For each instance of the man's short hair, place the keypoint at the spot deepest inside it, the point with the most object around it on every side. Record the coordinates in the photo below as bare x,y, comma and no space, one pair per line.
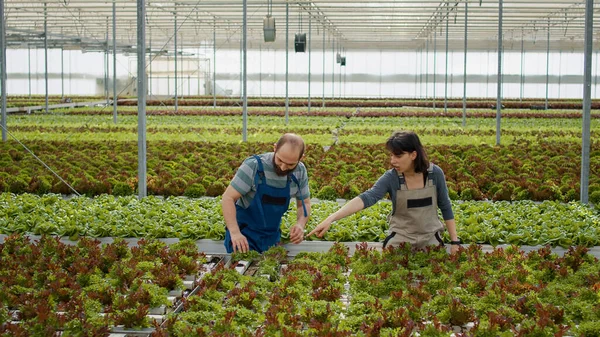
294,140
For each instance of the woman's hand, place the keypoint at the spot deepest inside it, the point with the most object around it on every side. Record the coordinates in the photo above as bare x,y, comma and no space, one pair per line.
321,228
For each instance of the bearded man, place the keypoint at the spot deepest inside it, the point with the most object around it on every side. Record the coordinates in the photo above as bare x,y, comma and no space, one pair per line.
259,194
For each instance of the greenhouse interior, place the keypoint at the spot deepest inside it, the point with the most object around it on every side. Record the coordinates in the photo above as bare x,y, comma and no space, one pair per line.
300,168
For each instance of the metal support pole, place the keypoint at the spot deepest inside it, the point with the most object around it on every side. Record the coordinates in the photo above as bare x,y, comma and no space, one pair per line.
559,71
421,73
309,53
380,62
416,71
3,76
333,71
487,78
181,77
106,66
427,68
28,66
62,72
464,121
214,64
70,73
205,74
499,93
521,91
150,60
446,76
175,72
596,76
141,93
287,59
547,65
114,33
46,53
244,72
260,70
434,64
587,102
324,35
241,69
340,78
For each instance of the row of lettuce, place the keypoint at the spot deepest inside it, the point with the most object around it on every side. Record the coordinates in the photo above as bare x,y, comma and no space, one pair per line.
48,288
524,170
87,289
334,112
521,223
398,292
20,101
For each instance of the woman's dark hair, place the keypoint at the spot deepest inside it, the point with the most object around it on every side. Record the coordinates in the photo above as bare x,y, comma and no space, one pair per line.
408,141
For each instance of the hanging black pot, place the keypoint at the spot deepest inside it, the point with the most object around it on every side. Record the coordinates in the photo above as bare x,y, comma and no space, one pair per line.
300,42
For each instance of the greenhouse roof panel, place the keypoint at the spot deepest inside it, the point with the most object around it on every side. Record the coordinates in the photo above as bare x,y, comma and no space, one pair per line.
402,24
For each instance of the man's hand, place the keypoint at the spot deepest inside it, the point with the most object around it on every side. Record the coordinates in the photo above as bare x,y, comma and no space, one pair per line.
454,249
297,234
239,242
321,229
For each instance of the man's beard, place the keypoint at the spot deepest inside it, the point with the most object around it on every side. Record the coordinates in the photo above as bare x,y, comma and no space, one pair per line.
279,171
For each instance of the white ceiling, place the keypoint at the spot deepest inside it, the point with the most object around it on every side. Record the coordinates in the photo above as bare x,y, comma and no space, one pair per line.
400,25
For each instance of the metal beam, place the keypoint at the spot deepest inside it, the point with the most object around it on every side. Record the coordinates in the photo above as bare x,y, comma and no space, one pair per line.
587,102
464,120
287,60
46,53
141,93
244,72
499,91
3,69
114,32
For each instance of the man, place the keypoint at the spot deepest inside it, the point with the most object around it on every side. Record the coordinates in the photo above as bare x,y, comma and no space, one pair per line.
259,194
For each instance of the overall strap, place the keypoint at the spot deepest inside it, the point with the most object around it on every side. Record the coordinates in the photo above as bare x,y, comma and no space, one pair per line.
261,169
260,172
298,184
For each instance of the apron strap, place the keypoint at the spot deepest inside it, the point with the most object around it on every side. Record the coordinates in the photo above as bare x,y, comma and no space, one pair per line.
428,176
303,205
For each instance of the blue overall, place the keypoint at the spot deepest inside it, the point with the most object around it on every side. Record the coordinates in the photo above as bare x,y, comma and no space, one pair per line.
260,222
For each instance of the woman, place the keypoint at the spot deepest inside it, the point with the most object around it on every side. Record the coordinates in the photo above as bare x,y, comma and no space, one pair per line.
417,188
